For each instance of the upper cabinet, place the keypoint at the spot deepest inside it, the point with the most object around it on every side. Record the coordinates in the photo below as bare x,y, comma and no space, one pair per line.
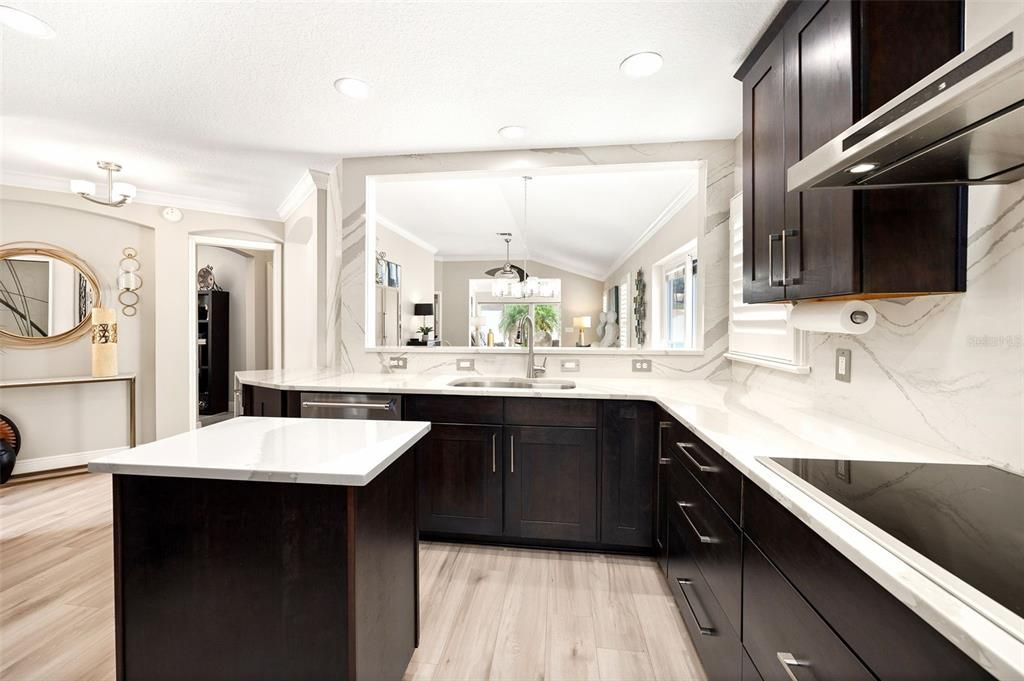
820,67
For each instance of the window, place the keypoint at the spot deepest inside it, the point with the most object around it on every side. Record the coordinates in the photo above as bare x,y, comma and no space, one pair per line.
680,301
759,333
501,315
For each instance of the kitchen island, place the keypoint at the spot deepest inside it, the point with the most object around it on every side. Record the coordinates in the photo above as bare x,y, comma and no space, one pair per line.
267,548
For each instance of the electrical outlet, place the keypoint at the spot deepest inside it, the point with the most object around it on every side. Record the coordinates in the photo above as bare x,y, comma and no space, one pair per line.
642,365
843,364
570,366
398,363
465,364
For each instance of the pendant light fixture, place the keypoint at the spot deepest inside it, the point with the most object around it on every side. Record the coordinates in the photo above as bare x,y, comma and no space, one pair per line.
123,191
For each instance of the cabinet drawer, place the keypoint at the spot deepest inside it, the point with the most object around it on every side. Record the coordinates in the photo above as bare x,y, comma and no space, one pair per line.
891,639
714,638
715,543
444,409
711,469
785,637
546,411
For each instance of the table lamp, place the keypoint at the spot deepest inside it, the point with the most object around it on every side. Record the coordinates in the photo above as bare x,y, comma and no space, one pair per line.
581,323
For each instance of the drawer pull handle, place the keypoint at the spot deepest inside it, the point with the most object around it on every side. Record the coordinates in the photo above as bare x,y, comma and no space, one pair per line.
512,447
703,468
704,631
371,406
494,452
664,460
704,539
789,662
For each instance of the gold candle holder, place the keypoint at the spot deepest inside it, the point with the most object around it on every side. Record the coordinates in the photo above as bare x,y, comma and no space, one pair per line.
104,342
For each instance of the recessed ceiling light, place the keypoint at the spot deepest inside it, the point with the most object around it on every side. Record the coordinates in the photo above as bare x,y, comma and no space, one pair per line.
512,132
863,168
641,64
25,23
352,87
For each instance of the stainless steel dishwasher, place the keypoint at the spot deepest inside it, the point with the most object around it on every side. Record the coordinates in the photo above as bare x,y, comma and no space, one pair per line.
350,406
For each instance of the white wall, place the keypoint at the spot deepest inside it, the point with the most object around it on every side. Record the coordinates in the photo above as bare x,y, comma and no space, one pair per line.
66,419
417,276
300,271
86,228
945,370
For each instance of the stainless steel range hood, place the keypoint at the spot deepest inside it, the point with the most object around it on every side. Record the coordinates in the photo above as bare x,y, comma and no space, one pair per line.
962,124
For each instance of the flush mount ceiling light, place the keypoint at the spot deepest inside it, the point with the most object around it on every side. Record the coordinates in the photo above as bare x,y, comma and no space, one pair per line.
171,214
352,87
123,191
641,64
23,22
863,168
512,132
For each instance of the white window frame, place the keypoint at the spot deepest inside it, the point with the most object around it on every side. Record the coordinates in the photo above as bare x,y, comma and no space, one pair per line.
682,257
759,333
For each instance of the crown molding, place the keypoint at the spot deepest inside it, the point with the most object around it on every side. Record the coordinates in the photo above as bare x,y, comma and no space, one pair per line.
406,234
673,207
310,181
144,196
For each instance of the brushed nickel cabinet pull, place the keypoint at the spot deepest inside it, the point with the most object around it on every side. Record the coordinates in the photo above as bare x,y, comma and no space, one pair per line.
704,631
789,663
494,452
704,539
372,406
772,281
703,468
512,443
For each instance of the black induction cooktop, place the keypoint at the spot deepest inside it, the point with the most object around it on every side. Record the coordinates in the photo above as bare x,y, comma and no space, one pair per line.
968,519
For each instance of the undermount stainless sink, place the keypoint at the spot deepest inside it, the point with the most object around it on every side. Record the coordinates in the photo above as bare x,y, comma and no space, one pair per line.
520,383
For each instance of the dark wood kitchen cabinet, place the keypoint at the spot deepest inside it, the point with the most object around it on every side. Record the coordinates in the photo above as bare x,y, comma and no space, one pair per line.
460,480
823,65
628,468
551,483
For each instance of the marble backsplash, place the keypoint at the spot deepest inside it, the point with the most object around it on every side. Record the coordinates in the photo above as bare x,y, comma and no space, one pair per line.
947,371
346,243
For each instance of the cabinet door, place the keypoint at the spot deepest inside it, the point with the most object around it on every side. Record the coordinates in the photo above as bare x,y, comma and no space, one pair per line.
459,469
764,177
820,248
628,462
551,483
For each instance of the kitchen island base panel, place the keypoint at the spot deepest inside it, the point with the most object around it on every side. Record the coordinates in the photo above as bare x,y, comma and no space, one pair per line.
264,580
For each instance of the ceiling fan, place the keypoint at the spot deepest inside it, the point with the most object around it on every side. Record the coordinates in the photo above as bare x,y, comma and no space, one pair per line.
508,270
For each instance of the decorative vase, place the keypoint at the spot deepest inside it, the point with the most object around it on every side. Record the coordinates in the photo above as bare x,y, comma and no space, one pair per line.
104,342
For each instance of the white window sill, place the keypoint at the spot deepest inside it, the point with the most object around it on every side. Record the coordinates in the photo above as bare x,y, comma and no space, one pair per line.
769,363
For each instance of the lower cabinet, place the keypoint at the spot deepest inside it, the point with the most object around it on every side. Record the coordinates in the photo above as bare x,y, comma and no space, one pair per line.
628,472
551,483
460,480
716,641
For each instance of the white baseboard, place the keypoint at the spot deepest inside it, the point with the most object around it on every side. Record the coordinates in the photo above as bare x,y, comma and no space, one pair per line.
49,463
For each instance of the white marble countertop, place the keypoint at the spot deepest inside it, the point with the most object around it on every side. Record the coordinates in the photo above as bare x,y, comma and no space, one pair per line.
741,430
317,451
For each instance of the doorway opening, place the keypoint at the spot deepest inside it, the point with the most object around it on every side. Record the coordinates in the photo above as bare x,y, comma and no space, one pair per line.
234,320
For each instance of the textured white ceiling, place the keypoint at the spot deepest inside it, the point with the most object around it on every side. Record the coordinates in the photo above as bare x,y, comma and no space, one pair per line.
585,221
231,101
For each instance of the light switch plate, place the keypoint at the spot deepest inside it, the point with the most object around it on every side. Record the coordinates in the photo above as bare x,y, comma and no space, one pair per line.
465,364
570,366
642,364
843,364
398,363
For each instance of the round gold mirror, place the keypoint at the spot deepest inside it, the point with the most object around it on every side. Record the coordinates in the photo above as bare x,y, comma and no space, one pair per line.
46,295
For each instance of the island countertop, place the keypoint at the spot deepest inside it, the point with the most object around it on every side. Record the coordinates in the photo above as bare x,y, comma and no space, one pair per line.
315,451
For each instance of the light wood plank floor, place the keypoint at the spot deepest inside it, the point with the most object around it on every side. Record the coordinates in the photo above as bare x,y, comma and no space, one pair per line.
487,613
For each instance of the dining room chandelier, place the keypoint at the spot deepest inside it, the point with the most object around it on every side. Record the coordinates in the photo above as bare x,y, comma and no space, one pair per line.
118,193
